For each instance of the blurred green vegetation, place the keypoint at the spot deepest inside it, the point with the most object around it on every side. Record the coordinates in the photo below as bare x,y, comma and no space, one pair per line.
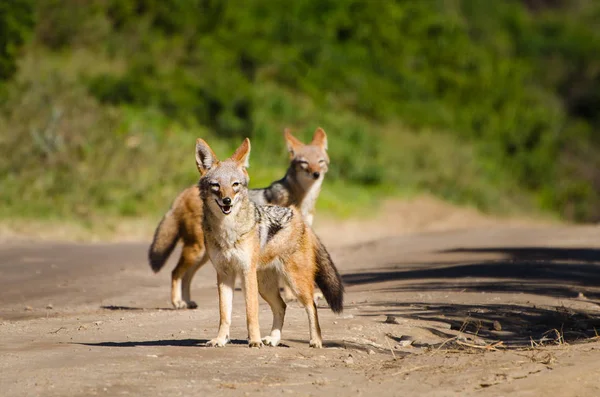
16,23
487,103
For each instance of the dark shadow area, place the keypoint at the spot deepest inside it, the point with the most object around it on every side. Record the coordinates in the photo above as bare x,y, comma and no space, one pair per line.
535,253
162,342
552,289
556,272
515,325
131,308
564,272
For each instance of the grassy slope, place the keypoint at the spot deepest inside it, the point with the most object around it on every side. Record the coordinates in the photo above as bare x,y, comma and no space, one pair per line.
66,156
99,161
83,162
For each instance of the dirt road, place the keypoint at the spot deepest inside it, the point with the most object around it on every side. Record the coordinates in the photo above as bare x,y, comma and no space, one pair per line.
492,311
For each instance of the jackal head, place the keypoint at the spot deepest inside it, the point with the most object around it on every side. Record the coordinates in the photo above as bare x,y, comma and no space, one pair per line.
223,184
309,162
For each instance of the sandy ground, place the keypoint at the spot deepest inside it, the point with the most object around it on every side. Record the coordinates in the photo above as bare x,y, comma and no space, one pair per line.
440,302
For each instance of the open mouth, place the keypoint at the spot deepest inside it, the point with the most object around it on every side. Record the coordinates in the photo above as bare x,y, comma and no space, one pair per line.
226,209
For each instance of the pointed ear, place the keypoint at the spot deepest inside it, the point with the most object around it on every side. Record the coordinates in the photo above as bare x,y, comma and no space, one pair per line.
205,157
293,144
242,154
320,138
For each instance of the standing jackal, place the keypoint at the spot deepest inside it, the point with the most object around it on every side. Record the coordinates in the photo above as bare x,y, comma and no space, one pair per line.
299,187
260,243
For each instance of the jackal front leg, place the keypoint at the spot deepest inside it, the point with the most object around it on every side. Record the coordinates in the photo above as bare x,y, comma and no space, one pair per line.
250,287
226,282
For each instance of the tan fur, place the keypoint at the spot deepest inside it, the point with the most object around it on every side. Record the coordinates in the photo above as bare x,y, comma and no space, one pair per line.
184,218
260,244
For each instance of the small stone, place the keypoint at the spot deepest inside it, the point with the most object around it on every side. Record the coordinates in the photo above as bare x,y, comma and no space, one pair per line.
405,342
349,360
28,308
496,325
182,332
98,322
320,382
371,352
49,306
348,316
391,320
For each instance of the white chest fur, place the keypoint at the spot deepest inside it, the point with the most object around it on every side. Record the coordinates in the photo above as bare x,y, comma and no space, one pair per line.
225,247
310,199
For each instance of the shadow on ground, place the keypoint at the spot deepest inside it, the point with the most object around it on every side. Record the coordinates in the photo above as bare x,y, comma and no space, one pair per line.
552,272
162,342
133,308
555,272
514,325
536,253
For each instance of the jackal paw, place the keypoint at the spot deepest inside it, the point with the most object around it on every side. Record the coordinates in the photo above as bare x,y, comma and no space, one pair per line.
192,305
256,344
179,305
316,343
217,342
270,341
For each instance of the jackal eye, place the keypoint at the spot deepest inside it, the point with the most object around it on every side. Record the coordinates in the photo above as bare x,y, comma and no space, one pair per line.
214,186
322,161
303,164
235,184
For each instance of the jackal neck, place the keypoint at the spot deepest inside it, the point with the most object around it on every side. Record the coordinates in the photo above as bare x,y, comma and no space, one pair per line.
304,196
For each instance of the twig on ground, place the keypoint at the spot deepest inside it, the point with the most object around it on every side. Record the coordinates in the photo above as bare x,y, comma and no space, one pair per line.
390,346
492,346
408,370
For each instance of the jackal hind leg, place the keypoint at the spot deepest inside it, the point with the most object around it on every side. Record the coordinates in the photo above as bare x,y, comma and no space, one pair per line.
201,257
268,287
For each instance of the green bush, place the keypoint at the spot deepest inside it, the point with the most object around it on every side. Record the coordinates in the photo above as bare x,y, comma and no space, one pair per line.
16,24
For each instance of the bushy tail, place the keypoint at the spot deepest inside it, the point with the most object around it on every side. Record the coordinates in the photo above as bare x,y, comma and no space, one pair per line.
328,279
165,239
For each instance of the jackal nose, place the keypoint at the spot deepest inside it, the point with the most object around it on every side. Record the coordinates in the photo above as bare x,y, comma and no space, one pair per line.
316,174
227,201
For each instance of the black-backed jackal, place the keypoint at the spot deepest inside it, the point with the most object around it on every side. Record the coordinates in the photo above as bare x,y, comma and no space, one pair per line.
261,244
299,187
